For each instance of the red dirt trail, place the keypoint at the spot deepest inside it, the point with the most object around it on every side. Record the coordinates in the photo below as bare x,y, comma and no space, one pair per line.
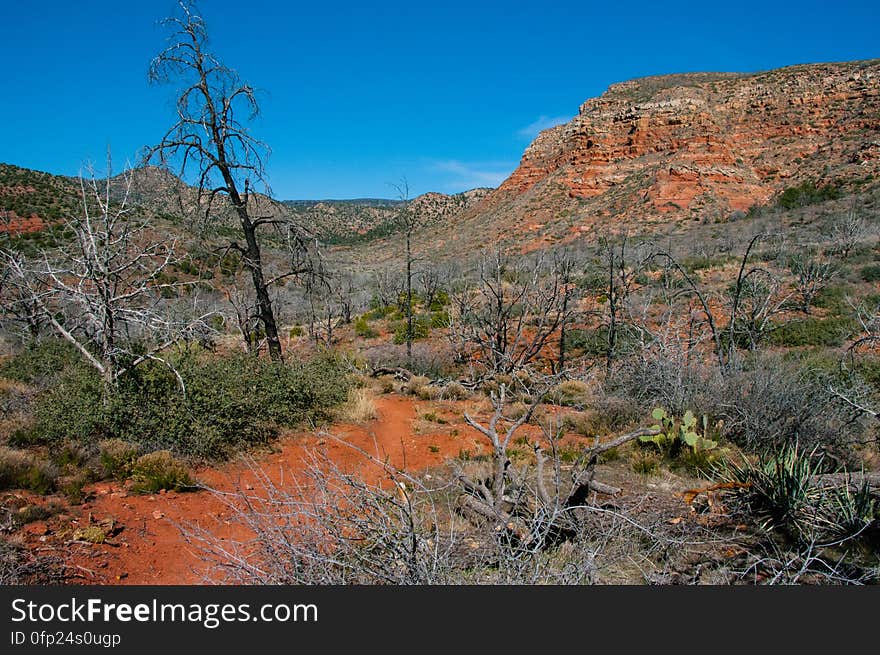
150,549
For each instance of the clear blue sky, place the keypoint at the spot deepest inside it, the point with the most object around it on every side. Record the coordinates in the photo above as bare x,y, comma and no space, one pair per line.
358,94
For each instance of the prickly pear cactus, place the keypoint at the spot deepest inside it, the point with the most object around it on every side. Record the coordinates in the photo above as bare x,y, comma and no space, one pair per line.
677,433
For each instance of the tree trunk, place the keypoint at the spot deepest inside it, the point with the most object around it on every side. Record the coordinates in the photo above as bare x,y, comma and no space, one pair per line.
254,262
612,323
561,362
409,311
264,301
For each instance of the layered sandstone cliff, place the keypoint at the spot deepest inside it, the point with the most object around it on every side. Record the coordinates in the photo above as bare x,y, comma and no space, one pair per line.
690,146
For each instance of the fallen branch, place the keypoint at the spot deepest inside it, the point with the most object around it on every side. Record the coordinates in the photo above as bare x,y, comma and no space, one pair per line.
853,481
398,372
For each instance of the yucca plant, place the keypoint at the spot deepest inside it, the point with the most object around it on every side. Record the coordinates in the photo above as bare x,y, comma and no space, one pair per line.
778,488
782,491
849,511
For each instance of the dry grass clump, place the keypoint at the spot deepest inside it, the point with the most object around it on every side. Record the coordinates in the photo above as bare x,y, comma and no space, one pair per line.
582,423
430,392
416,384
387,383
516,411
645,462
455,391
160,470
360,406
570,392
118,457
20,469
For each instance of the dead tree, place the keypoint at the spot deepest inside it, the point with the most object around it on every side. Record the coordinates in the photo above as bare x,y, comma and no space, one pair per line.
431,281
620,279
848,232
210,142
344,295
388,288
16,302
519,503
756,297
860,400
408,220
103,293
563,267
507,319
325,315
811,276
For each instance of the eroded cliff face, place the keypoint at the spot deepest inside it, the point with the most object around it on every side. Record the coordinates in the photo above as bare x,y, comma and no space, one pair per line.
696,146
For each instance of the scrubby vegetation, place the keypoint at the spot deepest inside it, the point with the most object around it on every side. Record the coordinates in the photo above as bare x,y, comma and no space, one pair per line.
206,407
694,402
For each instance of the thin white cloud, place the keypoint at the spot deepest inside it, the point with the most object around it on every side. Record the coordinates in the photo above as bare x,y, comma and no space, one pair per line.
531,130
468,175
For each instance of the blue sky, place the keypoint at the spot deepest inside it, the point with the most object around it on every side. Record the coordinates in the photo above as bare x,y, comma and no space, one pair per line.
357,95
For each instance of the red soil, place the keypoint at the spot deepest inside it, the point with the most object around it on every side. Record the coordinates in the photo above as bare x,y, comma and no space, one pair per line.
150,549
15,224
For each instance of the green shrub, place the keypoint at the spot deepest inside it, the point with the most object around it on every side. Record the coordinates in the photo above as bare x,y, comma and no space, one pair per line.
72,409
421,328
363,329
807,193
440,300
870,273
593,280
380,312
594,342
159,470
230,403
829,332
40,361
832,299
868,369
440,319
703,262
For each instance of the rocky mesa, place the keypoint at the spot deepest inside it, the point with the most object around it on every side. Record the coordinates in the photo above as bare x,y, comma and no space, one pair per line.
692,146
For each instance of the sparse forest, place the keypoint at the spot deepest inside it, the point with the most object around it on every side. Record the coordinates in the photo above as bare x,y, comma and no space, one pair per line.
690,403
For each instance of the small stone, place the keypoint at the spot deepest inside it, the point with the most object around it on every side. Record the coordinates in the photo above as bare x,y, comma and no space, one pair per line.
37,528
158,515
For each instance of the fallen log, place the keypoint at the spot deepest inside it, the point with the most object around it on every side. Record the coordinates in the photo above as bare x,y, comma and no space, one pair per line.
476,510
398,372
853,481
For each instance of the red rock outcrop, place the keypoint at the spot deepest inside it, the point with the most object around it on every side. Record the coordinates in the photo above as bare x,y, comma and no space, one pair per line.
694,146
